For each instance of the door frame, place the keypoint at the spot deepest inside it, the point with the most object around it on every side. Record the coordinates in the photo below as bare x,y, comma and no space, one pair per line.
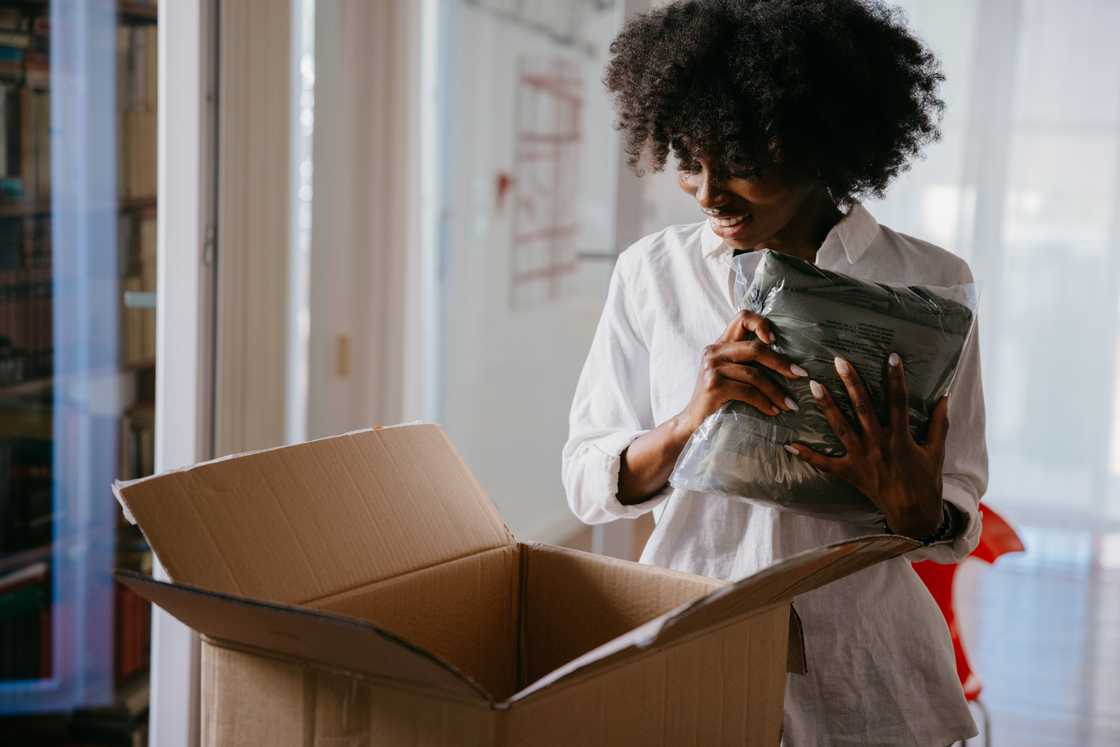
187,150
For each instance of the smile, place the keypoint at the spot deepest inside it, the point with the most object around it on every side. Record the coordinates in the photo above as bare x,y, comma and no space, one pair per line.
731,221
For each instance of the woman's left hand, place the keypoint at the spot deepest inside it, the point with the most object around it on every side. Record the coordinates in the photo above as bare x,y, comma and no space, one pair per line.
899,475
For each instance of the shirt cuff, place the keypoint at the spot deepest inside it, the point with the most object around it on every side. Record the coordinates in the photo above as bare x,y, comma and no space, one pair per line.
958,547
608,450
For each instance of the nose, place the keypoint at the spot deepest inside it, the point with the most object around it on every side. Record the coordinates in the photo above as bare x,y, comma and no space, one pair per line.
709,191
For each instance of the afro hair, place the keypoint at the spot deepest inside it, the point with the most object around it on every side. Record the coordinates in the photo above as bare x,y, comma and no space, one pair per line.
838,90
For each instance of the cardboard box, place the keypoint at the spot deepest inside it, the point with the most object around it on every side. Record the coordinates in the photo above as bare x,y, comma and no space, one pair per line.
362,589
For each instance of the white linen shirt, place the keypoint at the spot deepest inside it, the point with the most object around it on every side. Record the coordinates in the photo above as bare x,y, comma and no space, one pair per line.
881,665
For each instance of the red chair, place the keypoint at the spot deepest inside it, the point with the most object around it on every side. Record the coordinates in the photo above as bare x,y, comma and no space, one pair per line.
996,538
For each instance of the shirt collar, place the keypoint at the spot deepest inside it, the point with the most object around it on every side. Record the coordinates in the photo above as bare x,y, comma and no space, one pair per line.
854,234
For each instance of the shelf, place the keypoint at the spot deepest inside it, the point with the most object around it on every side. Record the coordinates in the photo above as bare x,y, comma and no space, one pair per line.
139,13
139,299
140,365
127,10
43,207
137,203
142,414
23,558
26,388
44,384
26,421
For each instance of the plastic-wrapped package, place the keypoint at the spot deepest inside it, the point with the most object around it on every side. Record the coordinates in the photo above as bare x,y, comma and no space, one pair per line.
816,316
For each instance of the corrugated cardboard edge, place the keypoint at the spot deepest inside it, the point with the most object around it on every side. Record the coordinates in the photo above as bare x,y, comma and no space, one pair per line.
633,644
660,630
391,462
138,582
120,485
898,545
367,677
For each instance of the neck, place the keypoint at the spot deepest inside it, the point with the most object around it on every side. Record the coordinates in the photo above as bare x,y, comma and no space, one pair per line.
806,231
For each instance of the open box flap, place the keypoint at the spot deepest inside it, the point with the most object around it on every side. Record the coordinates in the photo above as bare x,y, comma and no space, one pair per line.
777,584
310,635
781,582
299,523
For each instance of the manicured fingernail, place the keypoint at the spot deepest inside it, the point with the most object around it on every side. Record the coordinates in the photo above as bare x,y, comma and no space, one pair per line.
797,370
792,449
842,366
894,360
791,404
816,389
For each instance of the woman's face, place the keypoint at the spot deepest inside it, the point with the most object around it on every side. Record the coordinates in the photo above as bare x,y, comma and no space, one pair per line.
746,213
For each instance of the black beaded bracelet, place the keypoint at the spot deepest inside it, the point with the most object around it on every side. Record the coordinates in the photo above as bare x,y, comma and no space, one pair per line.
946,530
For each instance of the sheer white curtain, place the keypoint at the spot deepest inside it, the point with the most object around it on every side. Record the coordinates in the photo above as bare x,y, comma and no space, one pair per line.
1024,185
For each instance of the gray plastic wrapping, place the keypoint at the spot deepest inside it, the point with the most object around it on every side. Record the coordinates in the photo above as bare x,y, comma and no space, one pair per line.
816,316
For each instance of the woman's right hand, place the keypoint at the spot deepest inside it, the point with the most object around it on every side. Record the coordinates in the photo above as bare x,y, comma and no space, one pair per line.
729,370
724,375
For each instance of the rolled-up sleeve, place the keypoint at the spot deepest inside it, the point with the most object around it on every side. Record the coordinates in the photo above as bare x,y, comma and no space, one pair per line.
611,408
965,474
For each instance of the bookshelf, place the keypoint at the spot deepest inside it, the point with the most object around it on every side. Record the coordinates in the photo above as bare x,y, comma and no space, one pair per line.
37,608
43,207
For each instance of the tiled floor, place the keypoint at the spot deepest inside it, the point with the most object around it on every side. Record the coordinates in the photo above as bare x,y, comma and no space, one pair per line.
1043,633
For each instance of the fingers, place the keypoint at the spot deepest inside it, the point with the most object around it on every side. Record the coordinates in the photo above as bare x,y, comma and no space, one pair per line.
760,381
724,363
751,351
831,465
861,401
723,380
836,419
748,321
898,397
740,392
938,426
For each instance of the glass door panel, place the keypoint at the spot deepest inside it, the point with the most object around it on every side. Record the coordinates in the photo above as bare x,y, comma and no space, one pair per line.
77,348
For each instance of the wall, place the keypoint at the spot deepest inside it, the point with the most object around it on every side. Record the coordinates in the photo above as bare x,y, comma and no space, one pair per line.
396,206
511,355
364,235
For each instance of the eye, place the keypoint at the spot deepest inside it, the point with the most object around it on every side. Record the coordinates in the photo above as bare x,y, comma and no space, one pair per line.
688,167
746,173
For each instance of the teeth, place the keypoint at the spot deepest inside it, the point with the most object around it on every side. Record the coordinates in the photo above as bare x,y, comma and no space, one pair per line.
727,222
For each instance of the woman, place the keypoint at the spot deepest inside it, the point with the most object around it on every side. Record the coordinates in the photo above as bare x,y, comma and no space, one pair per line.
780,114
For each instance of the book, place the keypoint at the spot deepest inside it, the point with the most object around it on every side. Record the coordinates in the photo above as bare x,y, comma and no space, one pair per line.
12,131
26,170
41,138
27,503
125,722
146,248
20,628
33,572
11,62
15,39
37,70
136,99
